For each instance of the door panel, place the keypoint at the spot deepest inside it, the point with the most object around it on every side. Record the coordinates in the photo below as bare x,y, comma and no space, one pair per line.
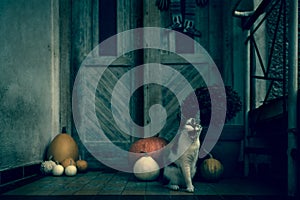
93,22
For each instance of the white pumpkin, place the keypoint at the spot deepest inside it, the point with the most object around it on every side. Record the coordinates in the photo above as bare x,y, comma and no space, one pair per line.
146,169
71,170
58,170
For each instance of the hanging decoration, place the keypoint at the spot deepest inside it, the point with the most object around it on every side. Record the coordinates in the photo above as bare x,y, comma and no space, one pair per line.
183,14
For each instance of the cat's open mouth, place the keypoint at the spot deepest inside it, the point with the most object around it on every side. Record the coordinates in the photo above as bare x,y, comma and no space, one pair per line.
192,134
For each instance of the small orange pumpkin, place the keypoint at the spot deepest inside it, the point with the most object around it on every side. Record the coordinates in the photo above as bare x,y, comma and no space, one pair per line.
211,169
68,161
82,165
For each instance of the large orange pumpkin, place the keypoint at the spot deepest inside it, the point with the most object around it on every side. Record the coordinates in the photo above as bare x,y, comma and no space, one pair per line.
147,145
63,146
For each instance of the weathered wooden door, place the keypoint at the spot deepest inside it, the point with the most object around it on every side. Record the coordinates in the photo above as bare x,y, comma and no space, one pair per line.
94,21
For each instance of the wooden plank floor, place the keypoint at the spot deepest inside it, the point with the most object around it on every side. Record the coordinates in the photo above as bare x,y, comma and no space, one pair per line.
112,185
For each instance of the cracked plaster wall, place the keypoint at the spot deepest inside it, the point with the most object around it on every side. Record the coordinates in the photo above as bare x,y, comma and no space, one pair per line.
26,95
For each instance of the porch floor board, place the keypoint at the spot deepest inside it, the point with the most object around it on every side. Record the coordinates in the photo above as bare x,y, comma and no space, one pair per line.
113,184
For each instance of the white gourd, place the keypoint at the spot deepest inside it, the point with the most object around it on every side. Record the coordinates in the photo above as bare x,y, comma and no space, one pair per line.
58,170
146,168
71,170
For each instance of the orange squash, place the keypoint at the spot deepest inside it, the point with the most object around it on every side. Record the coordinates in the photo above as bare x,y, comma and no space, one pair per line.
63,146
211,169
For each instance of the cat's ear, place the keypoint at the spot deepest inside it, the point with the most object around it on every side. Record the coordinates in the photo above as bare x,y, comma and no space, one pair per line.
198,128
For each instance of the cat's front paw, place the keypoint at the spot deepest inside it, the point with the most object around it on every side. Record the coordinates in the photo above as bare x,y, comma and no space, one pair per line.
173,187
190,189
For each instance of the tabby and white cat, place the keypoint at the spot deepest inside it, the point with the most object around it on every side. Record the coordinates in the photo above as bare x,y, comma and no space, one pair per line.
181,172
